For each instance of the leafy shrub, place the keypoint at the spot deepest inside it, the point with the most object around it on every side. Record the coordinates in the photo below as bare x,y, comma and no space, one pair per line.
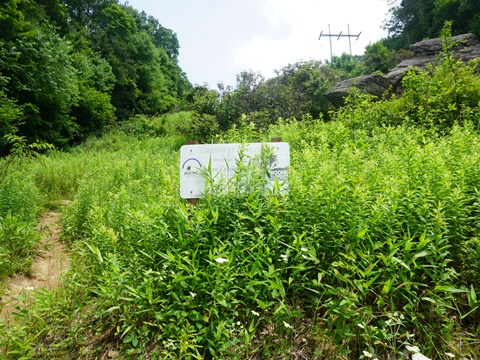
19,206
142,125
174,121
203,128
376,230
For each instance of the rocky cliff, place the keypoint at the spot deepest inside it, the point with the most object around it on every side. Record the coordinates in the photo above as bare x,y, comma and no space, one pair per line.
465,47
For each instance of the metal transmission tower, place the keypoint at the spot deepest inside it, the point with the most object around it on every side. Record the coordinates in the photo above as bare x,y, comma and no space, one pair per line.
338,36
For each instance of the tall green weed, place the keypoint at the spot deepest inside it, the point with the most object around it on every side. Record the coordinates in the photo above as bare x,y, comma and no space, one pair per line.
374,247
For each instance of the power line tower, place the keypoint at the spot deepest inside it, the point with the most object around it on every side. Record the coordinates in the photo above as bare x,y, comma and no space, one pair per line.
338,36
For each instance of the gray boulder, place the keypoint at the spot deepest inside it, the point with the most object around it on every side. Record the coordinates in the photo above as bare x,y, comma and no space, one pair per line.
373,84
466,47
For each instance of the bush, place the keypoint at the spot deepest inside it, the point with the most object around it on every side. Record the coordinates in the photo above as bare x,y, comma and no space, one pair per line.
19,239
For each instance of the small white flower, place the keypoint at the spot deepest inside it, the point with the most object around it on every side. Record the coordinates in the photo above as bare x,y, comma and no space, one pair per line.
287,325
192,294
29,288
221,260
367,354
449,354
304,249
305,257
419,356
255,313
284,257
360,326
414,349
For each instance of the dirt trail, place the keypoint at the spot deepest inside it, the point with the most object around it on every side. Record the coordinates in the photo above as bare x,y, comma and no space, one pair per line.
46,271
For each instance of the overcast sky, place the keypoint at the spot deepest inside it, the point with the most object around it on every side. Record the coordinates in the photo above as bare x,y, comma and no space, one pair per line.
220,38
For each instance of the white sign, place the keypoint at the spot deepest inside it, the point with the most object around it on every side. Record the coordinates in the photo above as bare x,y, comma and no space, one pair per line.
222,159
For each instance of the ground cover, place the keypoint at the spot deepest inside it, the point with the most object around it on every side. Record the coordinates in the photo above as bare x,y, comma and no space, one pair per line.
374,248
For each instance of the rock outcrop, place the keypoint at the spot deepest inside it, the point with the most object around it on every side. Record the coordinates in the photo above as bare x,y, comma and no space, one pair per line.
466,47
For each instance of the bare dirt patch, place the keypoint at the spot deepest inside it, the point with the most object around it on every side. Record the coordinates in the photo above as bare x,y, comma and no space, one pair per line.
46,271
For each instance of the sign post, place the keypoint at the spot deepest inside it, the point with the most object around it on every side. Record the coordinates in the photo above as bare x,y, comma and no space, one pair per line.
222,160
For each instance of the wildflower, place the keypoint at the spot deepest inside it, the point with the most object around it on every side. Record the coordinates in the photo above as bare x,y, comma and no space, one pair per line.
221,260
303,256
287,325
360,326
304,249
284,257
29,288
419,356
367,354
449,354
414,349
192,294
255,313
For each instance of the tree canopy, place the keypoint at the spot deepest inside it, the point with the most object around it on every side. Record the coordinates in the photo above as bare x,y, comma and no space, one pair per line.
71,68
411,21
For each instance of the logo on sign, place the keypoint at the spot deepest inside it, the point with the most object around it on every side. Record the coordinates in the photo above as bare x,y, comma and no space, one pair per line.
276,172
190,167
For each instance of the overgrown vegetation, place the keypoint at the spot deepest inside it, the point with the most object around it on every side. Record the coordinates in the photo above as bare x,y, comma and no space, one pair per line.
71,69
373,250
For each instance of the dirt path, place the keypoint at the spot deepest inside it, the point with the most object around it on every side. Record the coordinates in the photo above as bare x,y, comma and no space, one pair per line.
47,269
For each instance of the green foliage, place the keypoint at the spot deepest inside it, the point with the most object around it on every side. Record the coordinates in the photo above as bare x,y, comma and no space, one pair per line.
373,247
19,241
19,205
378,58
69,69
173,121
48,92
203,100
296,91
414,20
349,65
445,94
376,240
202,128
10,117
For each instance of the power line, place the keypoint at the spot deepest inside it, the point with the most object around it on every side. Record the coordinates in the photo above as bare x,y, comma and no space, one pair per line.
338,36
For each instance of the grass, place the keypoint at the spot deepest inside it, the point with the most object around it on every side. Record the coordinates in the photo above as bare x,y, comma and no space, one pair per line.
375,247
373,252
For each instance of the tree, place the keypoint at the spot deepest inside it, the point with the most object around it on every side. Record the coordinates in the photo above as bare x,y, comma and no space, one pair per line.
42,79
348,66
378,58
296,91
414,20
69,68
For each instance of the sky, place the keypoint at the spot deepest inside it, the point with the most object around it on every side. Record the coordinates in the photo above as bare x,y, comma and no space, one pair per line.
221,38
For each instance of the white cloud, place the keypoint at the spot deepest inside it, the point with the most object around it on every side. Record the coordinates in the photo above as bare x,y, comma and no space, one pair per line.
220,38
294,28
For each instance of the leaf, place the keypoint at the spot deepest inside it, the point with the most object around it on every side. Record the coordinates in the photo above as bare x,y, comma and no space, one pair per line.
421,254
387,286
397,260
472,297
449,289
95,251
